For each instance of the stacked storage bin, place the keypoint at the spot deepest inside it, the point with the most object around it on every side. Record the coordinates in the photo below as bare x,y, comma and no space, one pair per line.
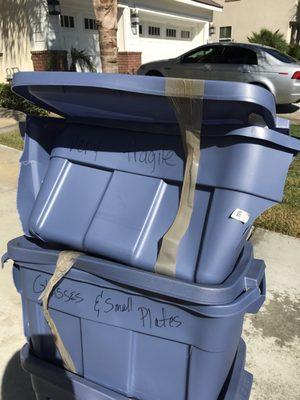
106,180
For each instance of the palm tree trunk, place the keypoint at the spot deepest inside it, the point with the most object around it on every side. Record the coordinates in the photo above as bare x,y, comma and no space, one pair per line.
106,16
297,18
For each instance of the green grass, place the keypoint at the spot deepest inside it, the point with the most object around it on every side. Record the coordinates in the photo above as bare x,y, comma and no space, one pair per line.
283,218
12,139
295,131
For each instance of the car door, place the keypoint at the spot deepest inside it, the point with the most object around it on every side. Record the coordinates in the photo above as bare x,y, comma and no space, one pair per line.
194,64
237,63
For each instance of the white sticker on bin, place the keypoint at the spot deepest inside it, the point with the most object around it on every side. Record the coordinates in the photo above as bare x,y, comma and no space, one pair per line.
240,215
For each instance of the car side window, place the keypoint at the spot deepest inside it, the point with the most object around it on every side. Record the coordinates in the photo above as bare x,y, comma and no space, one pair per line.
207,54
239,55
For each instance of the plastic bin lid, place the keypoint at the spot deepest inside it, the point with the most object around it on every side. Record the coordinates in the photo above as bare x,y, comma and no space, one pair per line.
247,274
137,98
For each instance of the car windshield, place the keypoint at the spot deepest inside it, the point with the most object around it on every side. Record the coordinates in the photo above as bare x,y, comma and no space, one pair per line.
280,56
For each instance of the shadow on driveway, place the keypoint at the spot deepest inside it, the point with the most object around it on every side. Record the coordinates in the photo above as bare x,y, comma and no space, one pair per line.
16,383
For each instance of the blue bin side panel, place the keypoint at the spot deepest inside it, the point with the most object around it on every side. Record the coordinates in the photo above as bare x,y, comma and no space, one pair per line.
115,193
138,346
53,383
82,188
34,163
137,365
42,340
106,303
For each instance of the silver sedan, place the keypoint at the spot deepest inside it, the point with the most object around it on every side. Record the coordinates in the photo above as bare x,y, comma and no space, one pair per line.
249,63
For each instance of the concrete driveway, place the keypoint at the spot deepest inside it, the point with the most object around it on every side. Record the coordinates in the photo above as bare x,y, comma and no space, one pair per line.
272,336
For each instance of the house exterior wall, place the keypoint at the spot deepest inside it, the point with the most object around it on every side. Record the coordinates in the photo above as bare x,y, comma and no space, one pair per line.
17,24
49,60
168,14
129,61
29,33
245,17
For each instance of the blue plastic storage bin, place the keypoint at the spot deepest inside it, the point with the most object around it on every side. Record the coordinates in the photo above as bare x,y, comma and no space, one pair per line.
107,179
51,382
135,340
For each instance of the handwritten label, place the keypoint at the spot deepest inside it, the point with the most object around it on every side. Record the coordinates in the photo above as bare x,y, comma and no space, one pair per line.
92,149
163,320
104,303
84,148
112,305
153,158
40,283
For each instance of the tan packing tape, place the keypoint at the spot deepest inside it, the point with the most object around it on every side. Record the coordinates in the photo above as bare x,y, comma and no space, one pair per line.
65,262
186,96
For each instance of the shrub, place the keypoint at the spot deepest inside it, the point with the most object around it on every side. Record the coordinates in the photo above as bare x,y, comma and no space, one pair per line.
294,51
10,100
81,58
269,38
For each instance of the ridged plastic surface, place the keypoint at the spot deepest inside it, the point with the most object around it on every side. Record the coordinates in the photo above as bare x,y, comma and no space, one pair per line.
139,345
50,382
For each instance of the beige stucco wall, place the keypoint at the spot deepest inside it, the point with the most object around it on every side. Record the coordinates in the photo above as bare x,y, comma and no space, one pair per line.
247,16
18,20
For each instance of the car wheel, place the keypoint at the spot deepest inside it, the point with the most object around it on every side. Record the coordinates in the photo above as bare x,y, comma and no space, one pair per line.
154,73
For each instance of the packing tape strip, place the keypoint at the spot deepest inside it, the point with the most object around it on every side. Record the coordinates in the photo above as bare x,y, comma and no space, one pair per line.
65,262
186,96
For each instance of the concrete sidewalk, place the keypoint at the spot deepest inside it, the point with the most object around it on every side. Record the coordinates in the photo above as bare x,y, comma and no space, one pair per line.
14,384
272,336
10,120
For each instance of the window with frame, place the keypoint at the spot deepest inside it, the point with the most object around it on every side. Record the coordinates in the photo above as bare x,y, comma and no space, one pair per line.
185,34
171,33
90,23
154,31
141,29
225,33
67,21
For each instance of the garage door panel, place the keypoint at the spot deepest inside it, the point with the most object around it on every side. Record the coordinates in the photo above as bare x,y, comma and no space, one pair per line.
166,38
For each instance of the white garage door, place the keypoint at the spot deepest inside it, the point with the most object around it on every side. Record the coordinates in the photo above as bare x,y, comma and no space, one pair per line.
163,38
78,29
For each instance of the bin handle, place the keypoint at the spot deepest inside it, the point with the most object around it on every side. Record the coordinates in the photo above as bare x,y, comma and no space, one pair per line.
249,302
4,259
255,274
254,307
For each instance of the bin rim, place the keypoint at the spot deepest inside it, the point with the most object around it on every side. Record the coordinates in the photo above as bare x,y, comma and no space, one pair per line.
25,84
270,136
247,274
